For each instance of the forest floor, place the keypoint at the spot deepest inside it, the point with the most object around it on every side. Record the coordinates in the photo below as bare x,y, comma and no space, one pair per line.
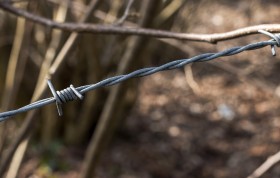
223,123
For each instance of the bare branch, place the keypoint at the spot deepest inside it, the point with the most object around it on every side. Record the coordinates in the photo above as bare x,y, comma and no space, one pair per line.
191,81
126,13
271,161
10,90
109,29
107,121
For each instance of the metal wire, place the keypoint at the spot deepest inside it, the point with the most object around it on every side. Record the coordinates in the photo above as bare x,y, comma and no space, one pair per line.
72,93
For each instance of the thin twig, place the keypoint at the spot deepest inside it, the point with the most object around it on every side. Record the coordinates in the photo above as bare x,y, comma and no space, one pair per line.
50,54
95,71
17,159
10,91
107,120
168,11
126,13
191,81
270,162
110,29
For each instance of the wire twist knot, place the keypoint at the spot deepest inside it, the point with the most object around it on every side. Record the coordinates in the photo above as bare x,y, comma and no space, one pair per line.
275,37
65,95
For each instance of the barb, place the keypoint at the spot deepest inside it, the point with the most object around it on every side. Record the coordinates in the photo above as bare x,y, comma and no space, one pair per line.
275,37
73,93
63,96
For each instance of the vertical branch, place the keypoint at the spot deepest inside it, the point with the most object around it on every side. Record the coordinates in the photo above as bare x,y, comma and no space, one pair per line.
56,34
76,131
72,39
49,123
55,40
13,62
9,90
20,71
168,11
112,12
107,123
23,134
126,13
191,81
17,159
26,129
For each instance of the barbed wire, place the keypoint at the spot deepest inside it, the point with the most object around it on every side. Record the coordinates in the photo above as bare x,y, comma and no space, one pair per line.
72,93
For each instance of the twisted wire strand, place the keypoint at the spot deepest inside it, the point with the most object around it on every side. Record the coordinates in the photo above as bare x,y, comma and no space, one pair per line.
72,93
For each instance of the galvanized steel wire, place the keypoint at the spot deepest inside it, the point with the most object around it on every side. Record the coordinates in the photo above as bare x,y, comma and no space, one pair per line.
72,93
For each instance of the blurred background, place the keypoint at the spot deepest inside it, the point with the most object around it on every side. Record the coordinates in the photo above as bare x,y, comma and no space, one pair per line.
212,119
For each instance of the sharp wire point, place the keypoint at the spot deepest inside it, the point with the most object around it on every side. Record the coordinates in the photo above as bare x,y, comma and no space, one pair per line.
57,98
